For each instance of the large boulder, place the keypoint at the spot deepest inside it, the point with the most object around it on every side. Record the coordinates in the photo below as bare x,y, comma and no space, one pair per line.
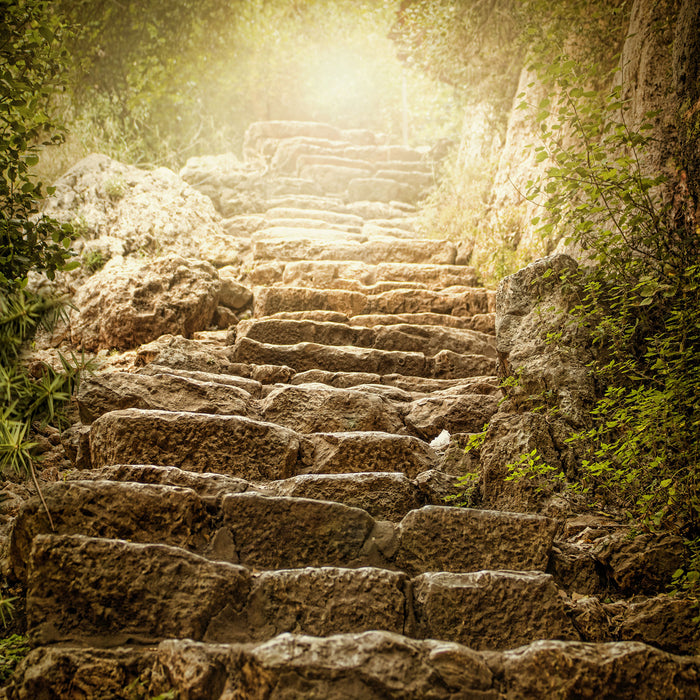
130,302
150,212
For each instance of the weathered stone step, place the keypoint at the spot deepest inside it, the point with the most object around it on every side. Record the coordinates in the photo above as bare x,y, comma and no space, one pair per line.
165,391
456,301
324,274
373,666
380,210
303,406
482,322
324,229
231,445
376,189
277,532
144,593
305,356
414,385
402,337
330,217
426,251
294,232
328,203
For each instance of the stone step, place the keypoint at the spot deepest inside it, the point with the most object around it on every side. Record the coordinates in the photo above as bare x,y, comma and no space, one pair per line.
306,356
413,178
372,665
337,179
384,495
403,337
294,232
277,532
145,593
305,406
319,227
324,274
374,252
380,210
360,188
225,444
327,203
377,231
415,385
330,217
482,322
456,301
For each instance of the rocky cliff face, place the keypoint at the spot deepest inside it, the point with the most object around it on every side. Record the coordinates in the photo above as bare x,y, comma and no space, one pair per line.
659,72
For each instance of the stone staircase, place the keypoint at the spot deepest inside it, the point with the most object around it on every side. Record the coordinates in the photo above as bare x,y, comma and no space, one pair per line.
259,513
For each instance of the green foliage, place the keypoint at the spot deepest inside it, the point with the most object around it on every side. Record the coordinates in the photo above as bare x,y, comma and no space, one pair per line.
30,57
93,260
532,467
29,66
641,303
153,82
12,650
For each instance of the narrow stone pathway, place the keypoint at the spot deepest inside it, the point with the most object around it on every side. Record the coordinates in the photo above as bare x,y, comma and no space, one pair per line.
260,512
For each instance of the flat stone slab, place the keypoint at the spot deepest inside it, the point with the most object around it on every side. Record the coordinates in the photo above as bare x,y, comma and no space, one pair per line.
465,413
330,217
490,609
344,452
428,339
373,252
440,538
231,445
138,512
111,592
209,487
306,356
101,393
384,495
324,274
310,408
485,322
290,231
250,386
462,302
269,532
372,665
302,357
326,601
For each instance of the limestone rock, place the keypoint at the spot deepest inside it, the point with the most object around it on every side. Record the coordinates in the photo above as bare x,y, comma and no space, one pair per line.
100,394
466,413
310,408
372,666
133,302
384,495
152,212
124,592
643,563
531,304
279,532
326,601
182,354
438,538
211,488
618,670
338,453
490,609
306,356
231,445
138,512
